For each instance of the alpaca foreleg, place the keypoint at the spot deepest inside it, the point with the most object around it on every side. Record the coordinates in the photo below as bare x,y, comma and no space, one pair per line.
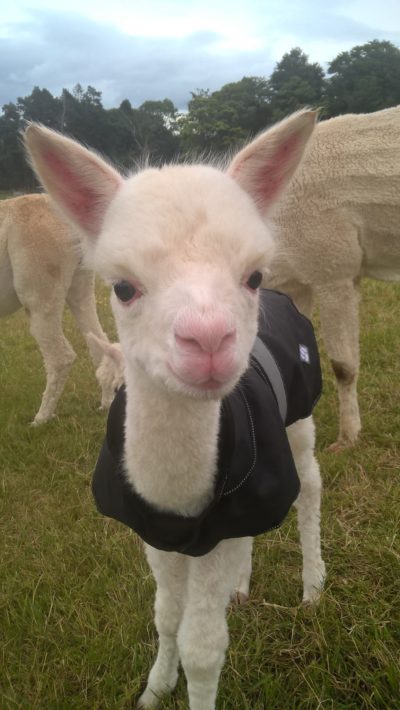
301,437
203,633
170,572
58,356
338,303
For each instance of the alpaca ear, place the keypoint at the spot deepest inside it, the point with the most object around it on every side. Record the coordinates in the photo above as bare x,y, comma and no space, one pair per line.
104,348
80,183
265,167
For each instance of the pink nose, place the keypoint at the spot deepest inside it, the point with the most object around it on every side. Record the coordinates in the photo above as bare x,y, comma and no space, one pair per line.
204,335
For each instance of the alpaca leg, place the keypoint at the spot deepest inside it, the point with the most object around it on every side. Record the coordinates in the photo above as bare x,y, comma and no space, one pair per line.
301,295
340,329
301,437
82,302
241,593
170,572
57,353
203,633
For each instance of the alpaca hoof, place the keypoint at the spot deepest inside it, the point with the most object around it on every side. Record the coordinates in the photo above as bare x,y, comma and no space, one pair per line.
148,699
340,445
313,588
239,598
344,441
41,420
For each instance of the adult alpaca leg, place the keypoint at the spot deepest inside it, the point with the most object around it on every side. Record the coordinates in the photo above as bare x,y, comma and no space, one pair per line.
58,355
82,302
338,304
302,438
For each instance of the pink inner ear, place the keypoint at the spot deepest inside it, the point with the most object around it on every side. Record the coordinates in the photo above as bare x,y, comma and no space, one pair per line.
268,179
80,200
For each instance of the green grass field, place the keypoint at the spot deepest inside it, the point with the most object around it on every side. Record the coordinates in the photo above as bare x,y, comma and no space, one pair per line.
76,595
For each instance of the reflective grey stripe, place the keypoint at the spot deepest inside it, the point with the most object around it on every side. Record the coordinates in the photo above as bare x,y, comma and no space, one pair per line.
268,363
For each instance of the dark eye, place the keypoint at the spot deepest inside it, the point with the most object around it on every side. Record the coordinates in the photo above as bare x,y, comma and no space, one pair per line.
254,280
124,291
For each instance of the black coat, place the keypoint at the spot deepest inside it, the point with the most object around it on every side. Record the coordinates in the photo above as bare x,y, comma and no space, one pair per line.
256,481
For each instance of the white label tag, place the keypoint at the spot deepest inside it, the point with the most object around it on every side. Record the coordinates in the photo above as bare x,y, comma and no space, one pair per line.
304,354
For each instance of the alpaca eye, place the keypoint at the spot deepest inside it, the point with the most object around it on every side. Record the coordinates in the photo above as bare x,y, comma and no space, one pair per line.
254,280
124,291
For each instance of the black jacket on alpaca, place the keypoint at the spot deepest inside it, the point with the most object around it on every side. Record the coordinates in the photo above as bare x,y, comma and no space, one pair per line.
256,481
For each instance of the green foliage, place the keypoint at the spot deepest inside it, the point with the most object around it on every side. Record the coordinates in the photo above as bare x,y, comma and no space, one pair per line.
76,595
14,171
367,78
295,83
122,134
41,106
222,119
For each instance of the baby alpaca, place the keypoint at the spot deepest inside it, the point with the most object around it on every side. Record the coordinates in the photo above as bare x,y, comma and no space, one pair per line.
41,269
186,247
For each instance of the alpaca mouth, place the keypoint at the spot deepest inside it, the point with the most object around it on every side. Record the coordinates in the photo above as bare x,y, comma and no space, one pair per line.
210,383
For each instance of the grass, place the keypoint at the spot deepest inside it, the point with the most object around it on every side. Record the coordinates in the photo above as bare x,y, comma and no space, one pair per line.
76,595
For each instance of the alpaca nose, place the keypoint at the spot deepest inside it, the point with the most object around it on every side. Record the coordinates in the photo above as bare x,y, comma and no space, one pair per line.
205,335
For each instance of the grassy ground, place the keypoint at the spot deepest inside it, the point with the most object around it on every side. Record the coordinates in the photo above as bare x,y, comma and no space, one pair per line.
76,595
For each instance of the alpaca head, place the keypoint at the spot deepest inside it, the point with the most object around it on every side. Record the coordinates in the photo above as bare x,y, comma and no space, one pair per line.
185,248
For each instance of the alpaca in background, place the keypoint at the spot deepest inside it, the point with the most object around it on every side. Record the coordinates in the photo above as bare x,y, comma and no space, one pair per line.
185,247
41,270
338,222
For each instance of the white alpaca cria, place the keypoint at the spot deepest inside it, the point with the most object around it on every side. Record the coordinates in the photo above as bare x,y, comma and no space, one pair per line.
41,270
180,244
338,222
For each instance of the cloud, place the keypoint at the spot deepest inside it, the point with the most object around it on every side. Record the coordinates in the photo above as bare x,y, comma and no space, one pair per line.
56,50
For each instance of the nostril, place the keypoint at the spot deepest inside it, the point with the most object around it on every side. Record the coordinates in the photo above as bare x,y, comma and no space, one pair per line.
228,339
206,340
189,344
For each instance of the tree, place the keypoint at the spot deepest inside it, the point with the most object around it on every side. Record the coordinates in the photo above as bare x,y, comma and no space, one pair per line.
365,79
84,117
295,83
41,106
156,129
216,121
14,171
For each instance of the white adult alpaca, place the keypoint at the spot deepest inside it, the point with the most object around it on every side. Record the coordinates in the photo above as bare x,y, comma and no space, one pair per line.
338,222
41,270
180,244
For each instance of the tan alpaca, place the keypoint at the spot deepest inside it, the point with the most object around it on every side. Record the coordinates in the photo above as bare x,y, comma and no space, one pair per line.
338,222
41,270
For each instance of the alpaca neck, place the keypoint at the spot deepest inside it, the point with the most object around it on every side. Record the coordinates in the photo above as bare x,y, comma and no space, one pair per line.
171,445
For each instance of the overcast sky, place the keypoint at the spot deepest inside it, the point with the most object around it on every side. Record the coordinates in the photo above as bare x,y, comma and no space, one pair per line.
153,49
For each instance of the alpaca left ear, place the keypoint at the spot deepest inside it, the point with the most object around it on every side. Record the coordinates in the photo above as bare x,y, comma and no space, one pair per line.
265,167
80,182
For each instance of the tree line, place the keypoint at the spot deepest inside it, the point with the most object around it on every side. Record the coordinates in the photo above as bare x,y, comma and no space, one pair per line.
364,79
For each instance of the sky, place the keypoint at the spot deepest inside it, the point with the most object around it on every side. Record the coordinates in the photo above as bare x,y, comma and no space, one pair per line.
156,49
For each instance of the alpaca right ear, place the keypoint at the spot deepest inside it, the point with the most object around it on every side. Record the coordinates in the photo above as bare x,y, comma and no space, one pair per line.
265,167
81,184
